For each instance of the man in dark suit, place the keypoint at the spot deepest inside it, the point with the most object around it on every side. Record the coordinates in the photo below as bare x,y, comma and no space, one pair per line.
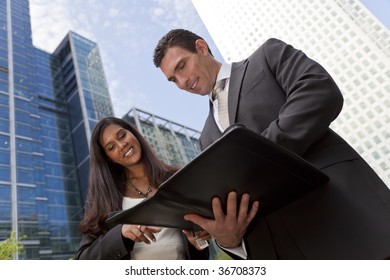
290,99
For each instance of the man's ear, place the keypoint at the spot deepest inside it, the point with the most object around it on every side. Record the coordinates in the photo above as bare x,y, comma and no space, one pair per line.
201,47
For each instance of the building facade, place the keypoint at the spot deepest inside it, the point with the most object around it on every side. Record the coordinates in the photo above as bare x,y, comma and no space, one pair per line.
173,143
48,105
342,35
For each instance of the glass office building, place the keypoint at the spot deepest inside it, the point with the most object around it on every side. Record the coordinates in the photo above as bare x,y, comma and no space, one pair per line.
48,105
349,41
173,143
86,94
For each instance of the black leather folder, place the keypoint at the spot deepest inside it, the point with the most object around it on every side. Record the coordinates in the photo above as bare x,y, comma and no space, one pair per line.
241,160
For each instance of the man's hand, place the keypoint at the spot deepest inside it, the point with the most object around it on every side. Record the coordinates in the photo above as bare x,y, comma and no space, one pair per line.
202,235
228,230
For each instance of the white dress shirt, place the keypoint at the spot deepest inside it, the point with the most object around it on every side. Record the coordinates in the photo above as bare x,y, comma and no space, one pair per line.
169,243
224,73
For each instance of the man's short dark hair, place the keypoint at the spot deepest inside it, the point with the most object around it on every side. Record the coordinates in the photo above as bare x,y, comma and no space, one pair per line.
175,38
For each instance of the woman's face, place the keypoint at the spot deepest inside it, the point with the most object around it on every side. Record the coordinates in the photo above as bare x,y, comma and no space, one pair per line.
120,145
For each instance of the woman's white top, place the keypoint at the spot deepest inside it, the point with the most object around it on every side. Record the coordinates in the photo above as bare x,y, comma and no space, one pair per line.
169,243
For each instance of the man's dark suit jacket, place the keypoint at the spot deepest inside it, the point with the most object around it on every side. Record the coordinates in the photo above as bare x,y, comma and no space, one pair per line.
285,96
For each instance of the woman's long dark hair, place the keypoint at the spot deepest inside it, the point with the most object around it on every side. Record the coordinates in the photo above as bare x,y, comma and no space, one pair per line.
107,180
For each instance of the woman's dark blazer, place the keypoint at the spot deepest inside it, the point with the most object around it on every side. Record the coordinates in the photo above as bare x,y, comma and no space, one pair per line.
286,97
112,246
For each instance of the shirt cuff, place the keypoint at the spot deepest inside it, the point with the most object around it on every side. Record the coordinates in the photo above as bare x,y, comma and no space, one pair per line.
239,251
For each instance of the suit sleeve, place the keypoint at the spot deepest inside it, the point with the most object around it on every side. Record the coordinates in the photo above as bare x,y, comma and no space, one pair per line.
313,99
110,246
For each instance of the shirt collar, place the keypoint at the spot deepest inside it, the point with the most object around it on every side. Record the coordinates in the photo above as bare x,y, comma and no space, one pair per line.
224,73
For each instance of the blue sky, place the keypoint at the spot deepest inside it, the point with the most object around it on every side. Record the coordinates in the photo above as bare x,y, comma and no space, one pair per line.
127,32
380,8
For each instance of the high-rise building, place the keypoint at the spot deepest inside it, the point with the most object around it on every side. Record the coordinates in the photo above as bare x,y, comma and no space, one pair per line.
173,143
48,105
84,89
342,35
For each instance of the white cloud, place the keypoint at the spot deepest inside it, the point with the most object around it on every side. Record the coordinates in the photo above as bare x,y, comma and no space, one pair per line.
176,14
125,100
113,12
50,22
158,11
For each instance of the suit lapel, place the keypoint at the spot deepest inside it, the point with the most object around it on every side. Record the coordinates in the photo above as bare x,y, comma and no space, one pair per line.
210,131
235,84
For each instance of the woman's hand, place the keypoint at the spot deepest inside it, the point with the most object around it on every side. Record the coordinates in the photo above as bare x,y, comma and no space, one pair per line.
139,233
192,238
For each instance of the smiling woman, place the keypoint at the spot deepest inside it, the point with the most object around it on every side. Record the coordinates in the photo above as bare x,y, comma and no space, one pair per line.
124,170
122,147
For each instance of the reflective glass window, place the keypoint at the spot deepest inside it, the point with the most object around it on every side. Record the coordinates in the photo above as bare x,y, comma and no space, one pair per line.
26,194
4,142
5,173
27,212
24,175
24,145
4,157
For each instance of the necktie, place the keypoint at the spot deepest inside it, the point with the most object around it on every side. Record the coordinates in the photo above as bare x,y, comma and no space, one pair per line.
222,97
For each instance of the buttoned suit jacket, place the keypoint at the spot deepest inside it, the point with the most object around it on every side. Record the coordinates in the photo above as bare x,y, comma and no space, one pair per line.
290,99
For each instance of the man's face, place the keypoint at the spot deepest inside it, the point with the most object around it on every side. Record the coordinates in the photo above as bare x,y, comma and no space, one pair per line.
192,72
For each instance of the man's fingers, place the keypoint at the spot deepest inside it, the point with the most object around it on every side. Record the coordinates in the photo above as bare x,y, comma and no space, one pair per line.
231,207
244,205
255,207
228,229
198,220
187,233
203,235
217,208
